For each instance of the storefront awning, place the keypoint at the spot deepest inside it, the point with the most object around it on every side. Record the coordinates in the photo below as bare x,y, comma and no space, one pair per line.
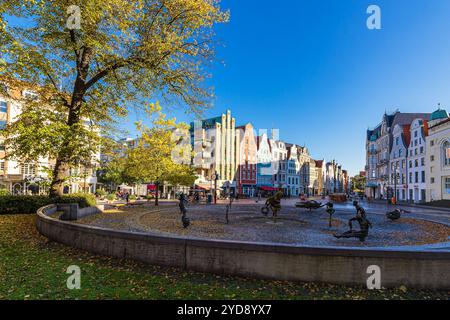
123,186
268,189
203,187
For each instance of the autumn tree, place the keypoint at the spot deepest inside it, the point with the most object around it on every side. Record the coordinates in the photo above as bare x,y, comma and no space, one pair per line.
358,183
157,158
123,54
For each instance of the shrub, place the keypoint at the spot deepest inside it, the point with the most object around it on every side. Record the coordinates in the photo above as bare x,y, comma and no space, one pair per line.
101,193
132,197
23,204
4,192
111,197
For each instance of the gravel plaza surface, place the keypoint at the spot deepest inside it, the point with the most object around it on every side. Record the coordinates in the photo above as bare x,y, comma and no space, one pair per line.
419,228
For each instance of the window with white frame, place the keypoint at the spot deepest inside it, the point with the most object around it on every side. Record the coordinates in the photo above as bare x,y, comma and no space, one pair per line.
27,169
447,184
446,153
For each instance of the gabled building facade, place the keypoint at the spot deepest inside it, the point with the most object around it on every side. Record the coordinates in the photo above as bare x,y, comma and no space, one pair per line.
265,170
248,159
417,161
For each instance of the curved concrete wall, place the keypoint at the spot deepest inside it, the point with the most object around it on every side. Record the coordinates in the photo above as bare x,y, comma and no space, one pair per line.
283,262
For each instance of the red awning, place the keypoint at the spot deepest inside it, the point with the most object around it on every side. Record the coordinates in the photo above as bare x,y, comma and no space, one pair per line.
268,189
203,187
151,187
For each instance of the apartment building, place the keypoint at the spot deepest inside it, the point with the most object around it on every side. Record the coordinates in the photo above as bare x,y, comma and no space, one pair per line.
216,146
33,177
438,157
293,170
379,144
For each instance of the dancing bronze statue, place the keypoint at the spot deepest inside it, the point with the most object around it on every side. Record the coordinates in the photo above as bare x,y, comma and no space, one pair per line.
364,225
330,210
274,204
183,202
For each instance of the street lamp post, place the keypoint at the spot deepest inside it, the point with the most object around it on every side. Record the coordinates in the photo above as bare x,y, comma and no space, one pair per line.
396,175
216,178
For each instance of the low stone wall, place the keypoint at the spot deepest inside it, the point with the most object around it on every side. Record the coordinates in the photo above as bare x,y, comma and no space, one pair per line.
283,262
72,211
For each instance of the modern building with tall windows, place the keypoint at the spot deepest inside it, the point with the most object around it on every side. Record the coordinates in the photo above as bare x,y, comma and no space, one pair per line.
216,146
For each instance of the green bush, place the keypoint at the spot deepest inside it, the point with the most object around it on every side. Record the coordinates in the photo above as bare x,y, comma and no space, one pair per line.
4,192
100,193
10,204
111,197
132,197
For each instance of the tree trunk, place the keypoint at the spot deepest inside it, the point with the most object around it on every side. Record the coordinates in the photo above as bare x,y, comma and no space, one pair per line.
60,172
83,59
157,194
59,175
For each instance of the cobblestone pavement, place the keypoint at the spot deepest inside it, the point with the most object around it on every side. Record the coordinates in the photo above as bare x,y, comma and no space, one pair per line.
418,230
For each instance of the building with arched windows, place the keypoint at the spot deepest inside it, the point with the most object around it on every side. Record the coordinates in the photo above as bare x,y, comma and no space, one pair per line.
438,157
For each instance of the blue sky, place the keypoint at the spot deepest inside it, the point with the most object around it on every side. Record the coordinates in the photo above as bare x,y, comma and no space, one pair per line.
314,70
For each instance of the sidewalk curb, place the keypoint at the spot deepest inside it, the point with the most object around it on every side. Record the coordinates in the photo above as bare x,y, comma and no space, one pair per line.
414,206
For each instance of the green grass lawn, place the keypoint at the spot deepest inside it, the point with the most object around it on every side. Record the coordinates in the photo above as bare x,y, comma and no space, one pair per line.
31,267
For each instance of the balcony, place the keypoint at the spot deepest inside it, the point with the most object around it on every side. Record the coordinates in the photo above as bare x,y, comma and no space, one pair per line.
206,155
372,151
206,144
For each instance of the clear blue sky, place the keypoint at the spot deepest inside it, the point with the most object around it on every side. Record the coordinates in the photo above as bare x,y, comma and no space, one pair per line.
314,70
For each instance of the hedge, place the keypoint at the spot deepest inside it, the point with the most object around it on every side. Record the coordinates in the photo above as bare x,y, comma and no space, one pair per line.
30,204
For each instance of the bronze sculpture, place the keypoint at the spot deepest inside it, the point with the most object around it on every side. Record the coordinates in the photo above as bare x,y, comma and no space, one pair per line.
311,205
364,225
330,210
228,208
274,204
396,214
183,202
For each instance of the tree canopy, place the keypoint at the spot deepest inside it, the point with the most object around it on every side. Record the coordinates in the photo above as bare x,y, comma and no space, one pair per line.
124,54
162,154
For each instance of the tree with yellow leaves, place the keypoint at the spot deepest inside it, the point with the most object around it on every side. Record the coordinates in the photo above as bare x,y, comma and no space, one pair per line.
152,160
93,60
